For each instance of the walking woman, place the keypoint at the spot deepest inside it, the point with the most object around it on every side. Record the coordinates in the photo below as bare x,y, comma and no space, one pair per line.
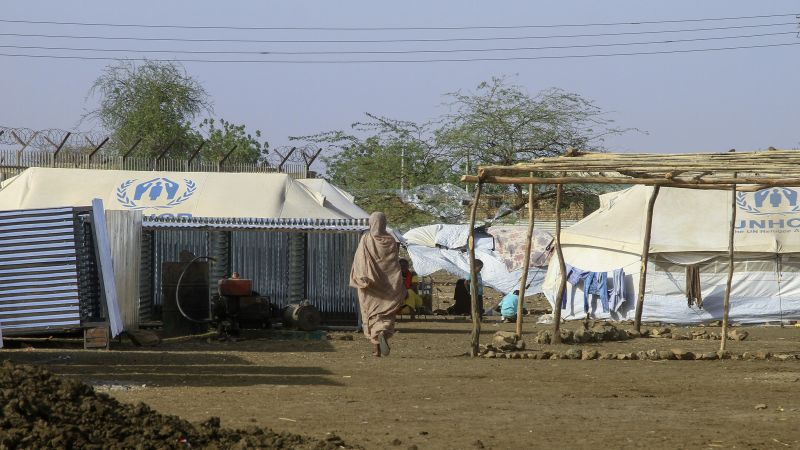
376,275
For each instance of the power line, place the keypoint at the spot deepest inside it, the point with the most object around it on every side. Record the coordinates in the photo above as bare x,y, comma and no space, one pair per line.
383,41
390,61
499,27
372,52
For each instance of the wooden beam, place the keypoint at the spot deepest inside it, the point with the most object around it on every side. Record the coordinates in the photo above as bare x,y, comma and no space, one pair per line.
227,155
61,145
726,303
130,150
526,263
648,227
562,284
719,183
474,348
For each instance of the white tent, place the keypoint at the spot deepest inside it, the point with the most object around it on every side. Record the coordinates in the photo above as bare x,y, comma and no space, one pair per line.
180,194
690,227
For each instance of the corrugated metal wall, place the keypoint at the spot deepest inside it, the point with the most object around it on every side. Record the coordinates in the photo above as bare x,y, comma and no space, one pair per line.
330,258
263,256
39,283
125,239
167,246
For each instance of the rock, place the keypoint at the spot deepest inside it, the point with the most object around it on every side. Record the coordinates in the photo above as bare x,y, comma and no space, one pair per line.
607,356
545,355
665,354
682,354
507,336
783,357
581,336
761,406
696,334
567,336
716,323
726,355
510,355
144,338
490,354
747,355
656,332
505,340
739,335
642,355
679,337
708,356
516,356
761,355
544,337
634,334
574,353
667,335
652,354
589,354
520,345
529,355
622,335
622,356
555,356
397,442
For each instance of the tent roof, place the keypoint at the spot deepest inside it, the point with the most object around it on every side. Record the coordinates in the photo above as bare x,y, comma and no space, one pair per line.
179,194
688,220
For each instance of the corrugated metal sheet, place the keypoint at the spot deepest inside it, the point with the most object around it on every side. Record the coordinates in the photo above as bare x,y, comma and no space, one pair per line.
146,275
39,282
167,246
125,236
329,260
262,257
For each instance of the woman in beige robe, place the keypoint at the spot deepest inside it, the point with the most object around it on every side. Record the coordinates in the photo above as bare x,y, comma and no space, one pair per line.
377,277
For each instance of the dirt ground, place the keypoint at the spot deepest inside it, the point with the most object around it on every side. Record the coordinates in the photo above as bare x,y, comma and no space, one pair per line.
427,394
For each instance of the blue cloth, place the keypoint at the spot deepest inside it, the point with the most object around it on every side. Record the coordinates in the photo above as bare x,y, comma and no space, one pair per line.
480,284
618,292
508,305
596,283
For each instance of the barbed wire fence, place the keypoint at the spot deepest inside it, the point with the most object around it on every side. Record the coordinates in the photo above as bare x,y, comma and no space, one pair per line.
22,148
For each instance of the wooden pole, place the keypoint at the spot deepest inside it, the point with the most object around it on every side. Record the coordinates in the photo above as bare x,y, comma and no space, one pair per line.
726,304
524,278
648,226
562,285
473,276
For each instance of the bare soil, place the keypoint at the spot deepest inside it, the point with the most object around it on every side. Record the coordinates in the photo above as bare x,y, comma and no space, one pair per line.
428,394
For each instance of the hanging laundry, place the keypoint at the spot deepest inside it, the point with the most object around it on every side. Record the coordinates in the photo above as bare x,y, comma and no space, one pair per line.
596,283
618,292
694,295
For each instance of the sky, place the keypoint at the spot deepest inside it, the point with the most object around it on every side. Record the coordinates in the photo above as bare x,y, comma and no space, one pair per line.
686,102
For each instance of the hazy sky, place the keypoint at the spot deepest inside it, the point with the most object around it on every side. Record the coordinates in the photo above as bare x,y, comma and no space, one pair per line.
708,101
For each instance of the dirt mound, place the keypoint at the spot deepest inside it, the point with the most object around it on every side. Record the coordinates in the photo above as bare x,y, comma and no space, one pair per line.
43,410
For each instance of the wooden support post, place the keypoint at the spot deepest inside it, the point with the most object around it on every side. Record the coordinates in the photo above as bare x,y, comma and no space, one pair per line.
648,226
726,303
528,247
162,154
562,284
473,276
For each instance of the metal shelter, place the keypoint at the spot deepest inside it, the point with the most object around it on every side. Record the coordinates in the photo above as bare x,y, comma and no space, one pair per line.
734,171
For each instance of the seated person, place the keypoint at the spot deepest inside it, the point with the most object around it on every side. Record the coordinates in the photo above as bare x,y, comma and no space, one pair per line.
508,307
413,301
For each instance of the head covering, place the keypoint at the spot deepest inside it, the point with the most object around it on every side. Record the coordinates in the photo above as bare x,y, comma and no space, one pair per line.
376,274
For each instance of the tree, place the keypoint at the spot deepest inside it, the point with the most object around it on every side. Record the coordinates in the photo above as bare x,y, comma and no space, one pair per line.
501,124
246,148
156,102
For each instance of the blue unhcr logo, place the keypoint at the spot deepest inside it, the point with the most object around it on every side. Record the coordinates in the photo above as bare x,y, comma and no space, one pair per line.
769,201
157,193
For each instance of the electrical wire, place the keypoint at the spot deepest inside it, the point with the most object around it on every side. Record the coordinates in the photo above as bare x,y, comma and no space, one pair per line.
499,27
386,41
392,61
371,52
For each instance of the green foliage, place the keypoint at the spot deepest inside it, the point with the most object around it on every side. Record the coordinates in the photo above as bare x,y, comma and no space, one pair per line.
155,101
222,139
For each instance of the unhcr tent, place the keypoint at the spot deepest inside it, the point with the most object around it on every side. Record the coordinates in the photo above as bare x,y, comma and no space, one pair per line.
180,194
690,229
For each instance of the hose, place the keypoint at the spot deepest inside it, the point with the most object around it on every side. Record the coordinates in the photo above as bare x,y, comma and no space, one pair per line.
178,290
